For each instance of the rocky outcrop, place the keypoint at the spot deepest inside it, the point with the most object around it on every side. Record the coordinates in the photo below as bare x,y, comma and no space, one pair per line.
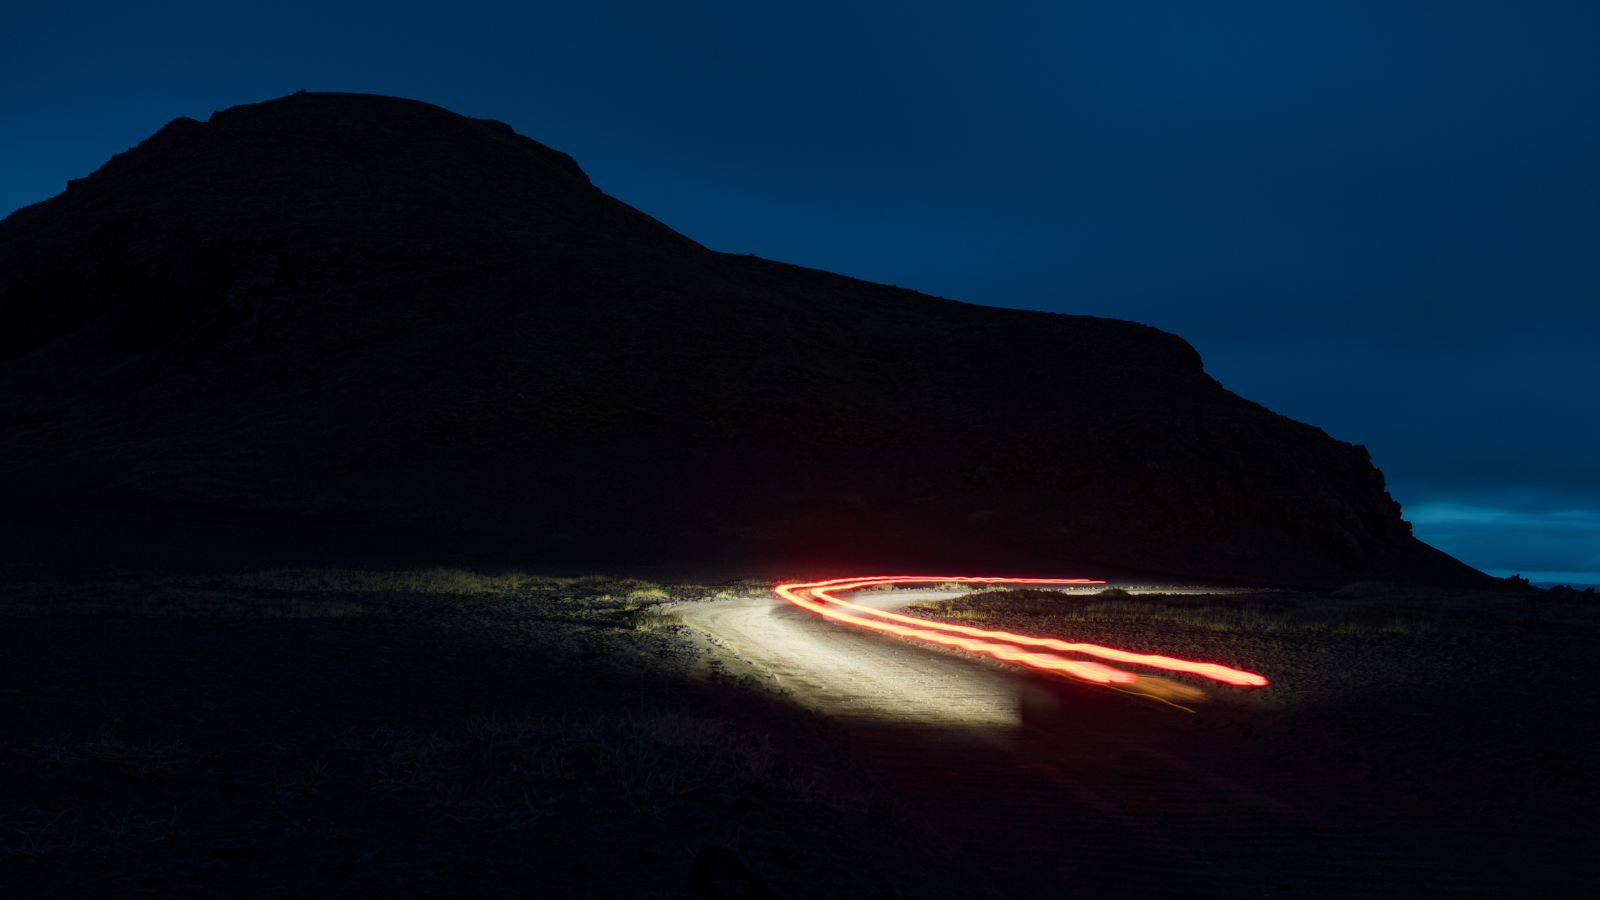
369,308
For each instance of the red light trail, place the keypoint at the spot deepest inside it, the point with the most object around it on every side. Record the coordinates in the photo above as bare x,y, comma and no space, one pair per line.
977,640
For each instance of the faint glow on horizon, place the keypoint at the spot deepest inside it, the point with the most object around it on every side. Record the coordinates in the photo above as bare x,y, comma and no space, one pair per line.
1559,545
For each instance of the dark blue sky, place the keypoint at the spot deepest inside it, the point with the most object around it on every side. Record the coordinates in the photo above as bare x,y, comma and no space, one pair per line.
1382,218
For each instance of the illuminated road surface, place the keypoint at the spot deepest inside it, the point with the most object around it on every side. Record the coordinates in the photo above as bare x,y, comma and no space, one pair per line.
856,675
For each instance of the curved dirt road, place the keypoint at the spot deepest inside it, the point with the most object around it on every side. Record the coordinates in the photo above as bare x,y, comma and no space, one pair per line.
1047,787
860,678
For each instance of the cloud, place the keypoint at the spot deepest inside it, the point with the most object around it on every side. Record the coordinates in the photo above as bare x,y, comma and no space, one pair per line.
1542,544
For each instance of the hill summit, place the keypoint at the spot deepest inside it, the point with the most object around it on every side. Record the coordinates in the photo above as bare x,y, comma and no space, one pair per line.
373,310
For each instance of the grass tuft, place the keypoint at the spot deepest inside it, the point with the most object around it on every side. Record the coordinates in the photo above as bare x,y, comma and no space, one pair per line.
654,620
293,593
38,832
148,758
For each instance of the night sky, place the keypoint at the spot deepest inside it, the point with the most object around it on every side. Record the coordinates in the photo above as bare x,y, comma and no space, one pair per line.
1381,218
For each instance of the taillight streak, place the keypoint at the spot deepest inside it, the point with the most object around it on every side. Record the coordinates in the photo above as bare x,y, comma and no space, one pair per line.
945,633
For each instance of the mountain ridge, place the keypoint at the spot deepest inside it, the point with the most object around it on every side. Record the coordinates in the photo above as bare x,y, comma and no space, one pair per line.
342,304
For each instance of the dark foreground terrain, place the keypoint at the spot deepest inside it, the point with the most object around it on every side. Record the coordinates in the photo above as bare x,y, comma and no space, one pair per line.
444,734
330,733
1457,729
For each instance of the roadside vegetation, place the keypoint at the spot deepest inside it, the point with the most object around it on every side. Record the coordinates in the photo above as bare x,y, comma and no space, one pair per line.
320,593
395,732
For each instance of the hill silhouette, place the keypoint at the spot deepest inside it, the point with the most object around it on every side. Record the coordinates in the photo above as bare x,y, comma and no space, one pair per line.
363,309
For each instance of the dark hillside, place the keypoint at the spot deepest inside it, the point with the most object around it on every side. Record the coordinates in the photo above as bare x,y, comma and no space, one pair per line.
374,310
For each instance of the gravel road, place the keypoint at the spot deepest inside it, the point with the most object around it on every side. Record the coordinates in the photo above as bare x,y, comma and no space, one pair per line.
859,678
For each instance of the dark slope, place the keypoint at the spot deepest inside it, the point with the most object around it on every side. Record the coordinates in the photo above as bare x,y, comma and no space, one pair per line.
377,310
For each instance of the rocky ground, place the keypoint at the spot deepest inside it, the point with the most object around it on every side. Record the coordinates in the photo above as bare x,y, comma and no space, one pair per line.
444,733
1481,707
329,734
